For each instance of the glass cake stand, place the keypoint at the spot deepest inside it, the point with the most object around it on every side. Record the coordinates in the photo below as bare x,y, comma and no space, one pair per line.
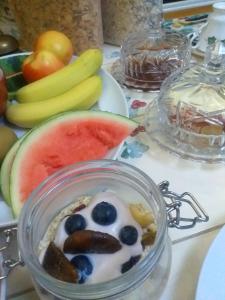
188,117
151,55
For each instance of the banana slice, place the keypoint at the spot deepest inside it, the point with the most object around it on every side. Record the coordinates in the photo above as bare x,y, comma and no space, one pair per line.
148,237
141,215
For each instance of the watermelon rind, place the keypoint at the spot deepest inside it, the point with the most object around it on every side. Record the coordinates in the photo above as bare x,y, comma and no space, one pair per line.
35,134
6,171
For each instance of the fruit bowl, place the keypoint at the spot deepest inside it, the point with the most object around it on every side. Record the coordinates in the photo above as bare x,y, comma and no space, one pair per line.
111,100
11,64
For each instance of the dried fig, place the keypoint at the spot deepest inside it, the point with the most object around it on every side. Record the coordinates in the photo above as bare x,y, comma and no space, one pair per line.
89,241
57,265
78,208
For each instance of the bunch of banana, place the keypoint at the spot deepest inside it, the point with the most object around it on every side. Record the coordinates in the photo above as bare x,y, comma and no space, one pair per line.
74,87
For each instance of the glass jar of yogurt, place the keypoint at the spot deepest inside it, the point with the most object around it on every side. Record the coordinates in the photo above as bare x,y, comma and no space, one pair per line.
143,281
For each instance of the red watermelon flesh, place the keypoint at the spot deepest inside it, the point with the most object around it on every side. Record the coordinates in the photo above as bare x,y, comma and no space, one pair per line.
67,143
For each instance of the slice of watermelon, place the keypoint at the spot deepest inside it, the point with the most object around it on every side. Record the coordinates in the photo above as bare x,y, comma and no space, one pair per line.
61,141
6,171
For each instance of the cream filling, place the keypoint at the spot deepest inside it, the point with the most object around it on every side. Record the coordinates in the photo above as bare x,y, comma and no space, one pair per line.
202,97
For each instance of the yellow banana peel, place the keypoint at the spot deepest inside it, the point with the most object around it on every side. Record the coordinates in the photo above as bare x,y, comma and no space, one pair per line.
80,97
86,65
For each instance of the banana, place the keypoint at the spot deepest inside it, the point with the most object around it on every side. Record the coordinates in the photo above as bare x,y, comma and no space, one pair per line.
86,65
80,97
141,215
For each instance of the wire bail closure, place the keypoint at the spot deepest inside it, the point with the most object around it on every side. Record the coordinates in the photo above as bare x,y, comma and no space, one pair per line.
10,263
174,203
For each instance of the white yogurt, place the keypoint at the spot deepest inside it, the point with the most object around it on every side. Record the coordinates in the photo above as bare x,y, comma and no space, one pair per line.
106,266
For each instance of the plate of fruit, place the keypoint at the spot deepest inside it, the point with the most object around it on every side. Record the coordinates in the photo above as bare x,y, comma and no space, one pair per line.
55,110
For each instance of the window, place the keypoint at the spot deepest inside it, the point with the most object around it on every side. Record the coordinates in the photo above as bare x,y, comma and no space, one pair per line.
169,1
171,5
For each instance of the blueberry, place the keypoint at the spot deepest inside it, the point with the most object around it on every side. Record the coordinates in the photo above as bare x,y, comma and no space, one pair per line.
74,223
104,213
83,265
128,235
130,263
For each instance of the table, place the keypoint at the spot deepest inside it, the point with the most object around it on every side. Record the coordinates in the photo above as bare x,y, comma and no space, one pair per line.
190,245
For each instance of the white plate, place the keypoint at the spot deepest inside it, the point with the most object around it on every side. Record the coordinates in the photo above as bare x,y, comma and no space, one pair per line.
211,283
112,100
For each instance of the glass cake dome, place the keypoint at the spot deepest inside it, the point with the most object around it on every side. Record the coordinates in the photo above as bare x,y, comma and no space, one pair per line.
188,117
151,55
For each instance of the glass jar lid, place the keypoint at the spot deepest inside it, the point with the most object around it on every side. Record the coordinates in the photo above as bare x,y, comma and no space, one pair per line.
190,117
